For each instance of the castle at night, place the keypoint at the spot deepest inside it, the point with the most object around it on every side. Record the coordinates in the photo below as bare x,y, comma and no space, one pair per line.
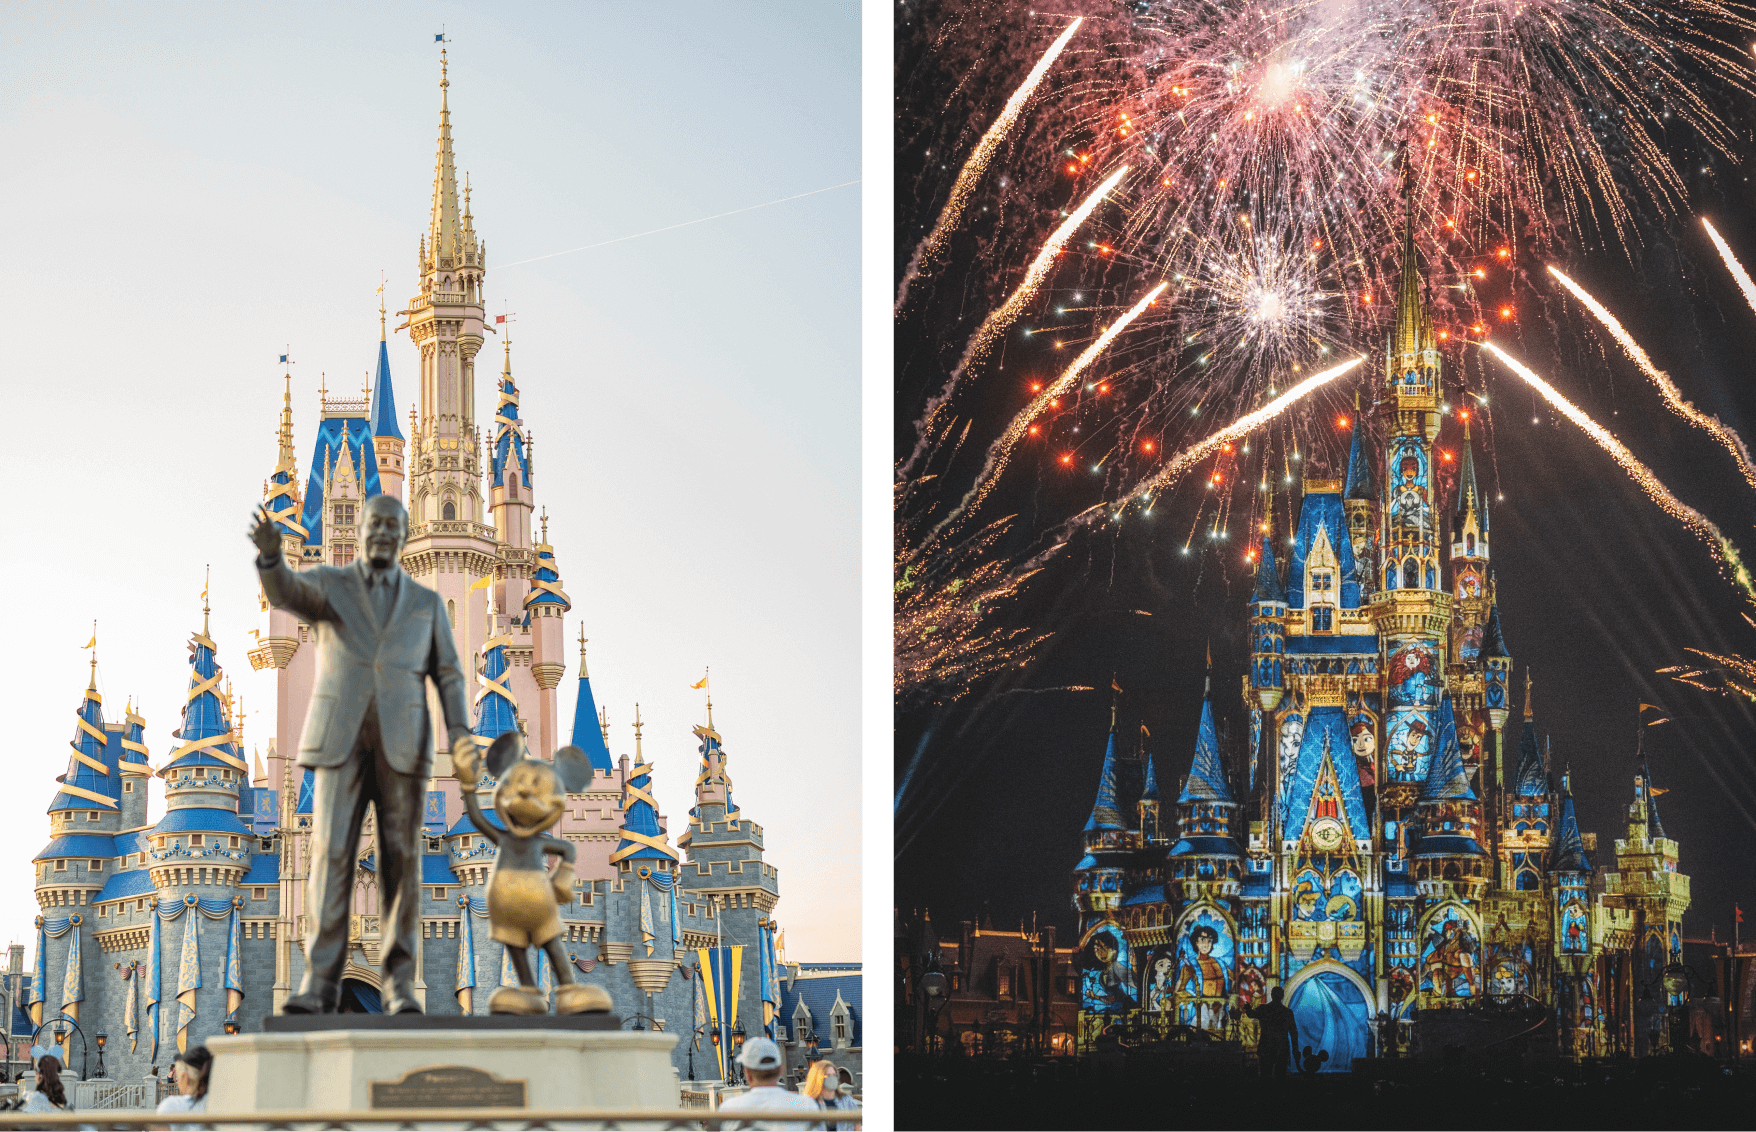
1385,852
161,933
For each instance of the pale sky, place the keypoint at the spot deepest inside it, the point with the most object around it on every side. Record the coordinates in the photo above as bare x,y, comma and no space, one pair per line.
188,189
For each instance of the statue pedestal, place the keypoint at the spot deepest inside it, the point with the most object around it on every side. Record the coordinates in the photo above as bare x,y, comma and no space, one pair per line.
357,1062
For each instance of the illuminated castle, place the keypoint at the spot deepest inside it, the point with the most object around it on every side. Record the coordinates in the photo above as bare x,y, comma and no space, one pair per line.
1378,853
159,933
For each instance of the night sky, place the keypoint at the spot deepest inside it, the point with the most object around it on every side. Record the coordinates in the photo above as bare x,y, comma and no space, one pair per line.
1597,587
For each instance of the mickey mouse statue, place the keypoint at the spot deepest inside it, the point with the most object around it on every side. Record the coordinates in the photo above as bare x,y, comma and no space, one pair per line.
524,898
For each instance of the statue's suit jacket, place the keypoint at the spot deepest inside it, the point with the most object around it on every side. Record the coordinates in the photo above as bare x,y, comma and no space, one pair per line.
360,662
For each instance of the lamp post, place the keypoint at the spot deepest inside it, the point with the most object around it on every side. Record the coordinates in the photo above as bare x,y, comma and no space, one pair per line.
933,989
103,1039
737,1047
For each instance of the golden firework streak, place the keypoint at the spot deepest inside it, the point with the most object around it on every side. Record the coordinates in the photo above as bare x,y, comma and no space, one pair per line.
1180,464
999,320
1001,450
1668,389
977,163
1723,551
1737,269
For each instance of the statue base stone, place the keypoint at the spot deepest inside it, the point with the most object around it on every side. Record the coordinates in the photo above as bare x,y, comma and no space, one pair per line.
357,1062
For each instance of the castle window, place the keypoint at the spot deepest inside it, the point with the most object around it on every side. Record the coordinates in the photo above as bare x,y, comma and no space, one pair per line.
97,866
233,844
1322,618
140,905
60,866
91,815
448,512
344,514
512,486
344,554
103,909
195,839
451,612
259,894
128,787
1411,576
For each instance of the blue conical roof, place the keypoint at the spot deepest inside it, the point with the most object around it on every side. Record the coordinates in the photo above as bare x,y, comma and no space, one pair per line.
205,735
1493,639
92,778
1149,793
1268,587
587,735
383,414
1446,777
1207,778
1104,814
509,444
1569,846
496,710
1359,468
1467,493
1531,779
546,586
339,438
641,837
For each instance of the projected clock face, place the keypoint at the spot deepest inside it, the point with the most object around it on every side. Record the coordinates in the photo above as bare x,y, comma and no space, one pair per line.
1327,834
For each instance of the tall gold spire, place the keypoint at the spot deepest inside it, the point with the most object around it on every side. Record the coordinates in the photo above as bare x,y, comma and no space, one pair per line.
442,230
583,674
1529,707
1413,330
638,760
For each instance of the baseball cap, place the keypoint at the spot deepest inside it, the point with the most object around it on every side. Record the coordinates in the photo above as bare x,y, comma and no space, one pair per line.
760,1054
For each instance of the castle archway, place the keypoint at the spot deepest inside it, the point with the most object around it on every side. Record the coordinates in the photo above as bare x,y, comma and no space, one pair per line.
1333,1007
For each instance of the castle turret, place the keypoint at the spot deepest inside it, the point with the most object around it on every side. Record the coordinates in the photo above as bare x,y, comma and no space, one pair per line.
1204,861
1150,832
588,736
201,846
1105,839
545,606
83,816
133,761
1450,862
451,545
1527,832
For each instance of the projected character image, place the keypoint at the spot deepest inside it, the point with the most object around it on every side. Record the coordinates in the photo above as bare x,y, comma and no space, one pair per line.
1105,979
1204,971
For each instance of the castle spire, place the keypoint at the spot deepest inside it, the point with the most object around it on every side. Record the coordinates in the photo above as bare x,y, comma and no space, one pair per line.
1207,778
383,411
593,740
642,837
1569,845
443,227
1413,329
1359,469
90,779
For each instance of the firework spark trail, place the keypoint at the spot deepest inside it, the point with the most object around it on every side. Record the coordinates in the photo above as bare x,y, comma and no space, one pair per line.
999,320
1737,269
977,163
1180,464
1001,450
1672,395
1724,553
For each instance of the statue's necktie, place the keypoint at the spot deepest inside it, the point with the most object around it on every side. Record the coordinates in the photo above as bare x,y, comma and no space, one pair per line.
381,597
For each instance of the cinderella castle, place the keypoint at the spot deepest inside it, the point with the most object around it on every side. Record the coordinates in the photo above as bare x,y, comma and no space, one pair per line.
161,934
1378,852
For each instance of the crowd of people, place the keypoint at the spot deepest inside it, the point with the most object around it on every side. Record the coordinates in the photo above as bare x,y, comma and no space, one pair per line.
822,1091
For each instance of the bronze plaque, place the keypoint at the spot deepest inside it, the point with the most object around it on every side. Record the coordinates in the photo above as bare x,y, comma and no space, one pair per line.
448,1086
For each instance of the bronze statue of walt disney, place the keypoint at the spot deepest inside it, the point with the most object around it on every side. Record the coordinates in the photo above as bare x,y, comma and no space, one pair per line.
380,637
524,898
